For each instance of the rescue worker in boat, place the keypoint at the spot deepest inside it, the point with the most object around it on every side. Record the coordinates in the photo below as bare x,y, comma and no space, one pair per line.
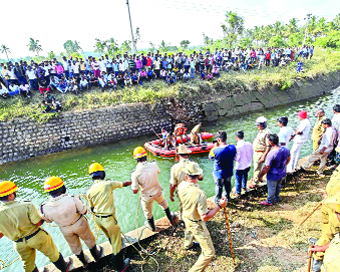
195,135
67,211
145,178
177,175
181,130
20,222
102,204
170,141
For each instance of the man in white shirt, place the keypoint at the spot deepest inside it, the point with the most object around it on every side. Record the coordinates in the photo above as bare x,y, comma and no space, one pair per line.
243,161
336,117
301,136
326,146
285,133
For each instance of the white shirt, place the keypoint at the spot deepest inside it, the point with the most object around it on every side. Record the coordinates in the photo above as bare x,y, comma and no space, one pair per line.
83,82
102,66
303,127
327,140
284,135
75,68
336,121
244,155
31,74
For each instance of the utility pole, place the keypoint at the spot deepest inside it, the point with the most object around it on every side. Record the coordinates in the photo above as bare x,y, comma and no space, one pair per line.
309,15
133,39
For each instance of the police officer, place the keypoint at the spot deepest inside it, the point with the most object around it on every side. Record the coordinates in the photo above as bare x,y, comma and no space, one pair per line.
195,214
176,173
330,225
67,212
318,129
102,204
331,250
145,177
261,148
20,222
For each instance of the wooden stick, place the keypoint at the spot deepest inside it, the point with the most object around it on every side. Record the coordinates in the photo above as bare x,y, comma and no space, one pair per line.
309,260
309,215
156,134
229,234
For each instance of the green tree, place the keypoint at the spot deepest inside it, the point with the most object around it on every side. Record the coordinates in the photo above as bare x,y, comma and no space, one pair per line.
164,46
278,29
152,47
72,47
112,46
292,26
295,39
234,26
276,41
5,49
184,44
331,40
34,46
137,36
51,55
126,46
99,46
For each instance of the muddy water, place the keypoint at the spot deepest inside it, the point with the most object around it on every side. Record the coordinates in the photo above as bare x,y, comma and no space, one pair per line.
117,160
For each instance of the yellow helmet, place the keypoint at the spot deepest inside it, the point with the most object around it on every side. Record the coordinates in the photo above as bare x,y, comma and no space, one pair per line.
139,152
7,188
95,167
53,183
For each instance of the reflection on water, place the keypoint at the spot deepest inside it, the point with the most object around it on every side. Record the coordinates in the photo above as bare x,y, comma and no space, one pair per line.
117,160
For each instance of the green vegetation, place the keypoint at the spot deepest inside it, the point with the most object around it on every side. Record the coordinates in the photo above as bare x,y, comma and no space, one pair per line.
324,62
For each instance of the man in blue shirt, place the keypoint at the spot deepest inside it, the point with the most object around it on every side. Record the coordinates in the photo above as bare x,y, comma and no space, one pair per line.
275,168
223,156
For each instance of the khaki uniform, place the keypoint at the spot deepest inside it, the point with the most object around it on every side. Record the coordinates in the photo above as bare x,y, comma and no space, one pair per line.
145,178
259,145
101,200
17,220
331,261
194,201
330,224
67,212
318,130
194,134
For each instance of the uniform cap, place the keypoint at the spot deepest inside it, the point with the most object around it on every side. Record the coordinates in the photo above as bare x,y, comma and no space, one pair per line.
302,114
139,152
95,167
192,169
53,183
183,150
7,188
333,202
261,119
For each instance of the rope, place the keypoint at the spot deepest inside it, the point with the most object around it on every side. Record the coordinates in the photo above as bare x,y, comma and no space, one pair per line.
4,265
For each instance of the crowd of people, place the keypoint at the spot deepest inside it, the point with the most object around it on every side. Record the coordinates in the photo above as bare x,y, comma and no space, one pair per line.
269,154
75,75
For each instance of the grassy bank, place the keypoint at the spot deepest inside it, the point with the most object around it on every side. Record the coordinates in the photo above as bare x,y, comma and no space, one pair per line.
323,63
282,244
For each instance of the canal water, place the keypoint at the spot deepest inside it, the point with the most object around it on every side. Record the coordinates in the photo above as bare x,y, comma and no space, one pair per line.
72,167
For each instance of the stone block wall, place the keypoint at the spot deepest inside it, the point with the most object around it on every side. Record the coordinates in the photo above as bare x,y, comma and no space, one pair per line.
22,139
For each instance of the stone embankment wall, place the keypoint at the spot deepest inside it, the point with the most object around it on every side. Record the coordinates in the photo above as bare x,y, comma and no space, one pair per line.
22,139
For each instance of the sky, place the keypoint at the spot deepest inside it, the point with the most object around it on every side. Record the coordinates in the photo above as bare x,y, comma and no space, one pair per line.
169,20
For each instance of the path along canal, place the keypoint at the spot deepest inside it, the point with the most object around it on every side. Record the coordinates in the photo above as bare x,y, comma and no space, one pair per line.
72,167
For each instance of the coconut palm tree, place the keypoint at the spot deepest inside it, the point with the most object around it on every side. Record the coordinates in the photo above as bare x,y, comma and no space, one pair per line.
34,46
5,49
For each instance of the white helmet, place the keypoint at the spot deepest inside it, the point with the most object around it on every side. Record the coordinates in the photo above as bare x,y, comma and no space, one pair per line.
261,119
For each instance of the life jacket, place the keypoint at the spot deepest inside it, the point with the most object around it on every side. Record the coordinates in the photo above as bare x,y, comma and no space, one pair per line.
180,129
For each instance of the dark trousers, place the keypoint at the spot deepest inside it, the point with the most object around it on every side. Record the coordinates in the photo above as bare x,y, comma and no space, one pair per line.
241,178
34,84
221,183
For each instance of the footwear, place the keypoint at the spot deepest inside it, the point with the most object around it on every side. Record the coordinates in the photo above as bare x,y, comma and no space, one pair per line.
253,186
83,260
244,190
266,203
126,264
316,265
237,195
194,245
171,216
62,265
313,240
96,254
150,224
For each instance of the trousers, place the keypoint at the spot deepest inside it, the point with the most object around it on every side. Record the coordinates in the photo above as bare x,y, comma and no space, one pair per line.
147,203
257,165
294,157
316,155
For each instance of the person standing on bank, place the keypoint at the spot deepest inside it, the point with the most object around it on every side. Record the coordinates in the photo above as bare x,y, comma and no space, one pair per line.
275,168
286,133
318,129
145,178
223,156
102,204
20,222
195,214
176,173
261,148
67,212
301,136
326,147
243,161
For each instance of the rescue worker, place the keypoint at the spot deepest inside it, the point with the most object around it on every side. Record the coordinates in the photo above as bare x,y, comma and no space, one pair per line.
181,130
145,178
330,226
102,205
331,250
20,222
176,173
195,135
195,214
318,129
67,212
261,148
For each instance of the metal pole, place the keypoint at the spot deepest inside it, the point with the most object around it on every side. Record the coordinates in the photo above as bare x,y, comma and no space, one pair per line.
133,39
308,17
